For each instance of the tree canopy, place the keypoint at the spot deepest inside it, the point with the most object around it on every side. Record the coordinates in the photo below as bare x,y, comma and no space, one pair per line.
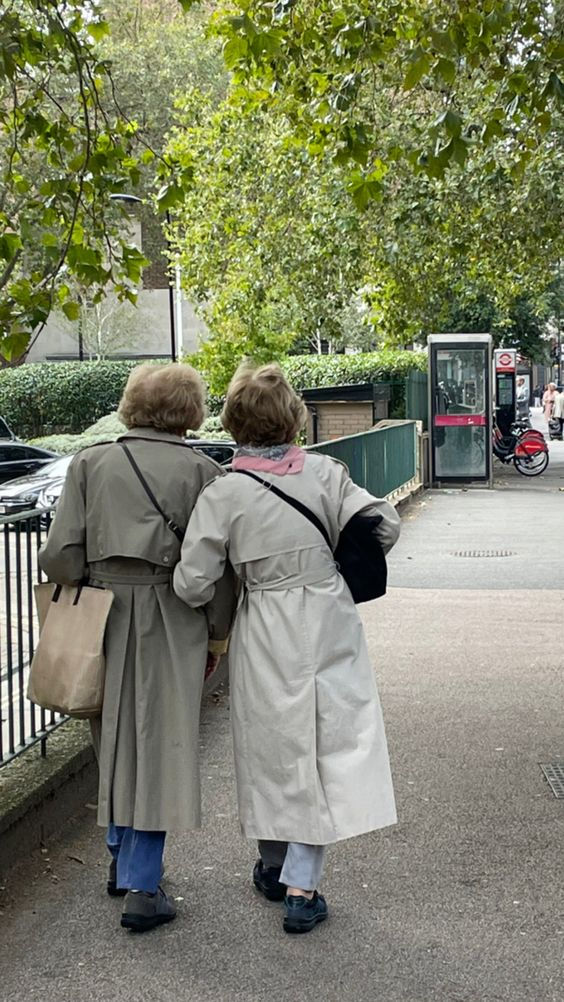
63,151
359,172
285,232
489,67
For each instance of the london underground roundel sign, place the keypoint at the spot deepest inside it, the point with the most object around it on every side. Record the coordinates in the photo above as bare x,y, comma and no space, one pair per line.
505,361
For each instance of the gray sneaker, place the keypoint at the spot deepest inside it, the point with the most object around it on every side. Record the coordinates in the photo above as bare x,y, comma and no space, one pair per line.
143,911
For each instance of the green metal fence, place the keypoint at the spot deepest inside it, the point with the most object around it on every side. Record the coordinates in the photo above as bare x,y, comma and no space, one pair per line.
417,398
381,460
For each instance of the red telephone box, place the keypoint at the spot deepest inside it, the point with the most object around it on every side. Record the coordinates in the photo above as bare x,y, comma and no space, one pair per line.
460,407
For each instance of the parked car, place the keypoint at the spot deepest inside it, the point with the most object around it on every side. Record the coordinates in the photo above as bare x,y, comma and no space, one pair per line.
19,460
24,493
222,452
43,489
6,431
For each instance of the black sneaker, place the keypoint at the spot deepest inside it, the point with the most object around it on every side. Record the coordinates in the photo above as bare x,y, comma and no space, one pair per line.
143,911
267,880
302,914
113,890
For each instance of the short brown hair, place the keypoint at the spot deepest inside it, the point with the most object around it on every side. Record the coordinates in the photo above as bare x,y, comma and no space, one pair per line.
261,407
167,397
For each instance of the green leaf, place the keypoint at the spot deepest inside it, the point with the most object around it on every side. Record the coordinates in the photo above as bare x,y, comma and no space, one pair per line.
447,70
71,311
555,87
49,240
10,244
544,121
14,345
444,43
265,42
459,151
98,30
418,69
234,50
453,123
169,196
364,188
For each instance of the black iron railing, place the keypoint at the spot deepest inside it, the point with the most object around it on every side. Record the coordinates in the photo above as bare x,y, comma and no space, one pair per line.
22,723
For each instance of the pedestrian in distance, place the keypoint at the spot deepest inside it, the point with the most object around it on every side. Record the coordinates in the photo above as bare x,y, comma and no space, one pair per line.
108,530
522,399
558,410
548,399
311,758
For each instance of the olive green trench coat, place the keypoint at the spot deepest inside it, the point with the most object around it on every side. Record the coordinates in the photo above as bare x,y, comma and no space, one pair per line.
311,757
156,648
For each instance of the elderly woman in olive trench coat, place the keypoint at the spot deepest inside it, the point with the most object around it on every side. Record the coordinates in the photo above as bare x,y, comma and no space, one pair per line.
310,749
106,528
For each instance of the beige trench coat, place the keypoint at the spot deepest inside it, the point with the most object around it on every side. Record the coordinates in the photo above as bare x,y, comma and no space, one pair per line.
558,406
310,750
156,647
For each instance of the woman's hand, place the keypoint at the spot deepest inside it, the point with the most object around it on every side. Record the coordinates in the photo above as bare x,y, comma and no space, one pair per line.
211,664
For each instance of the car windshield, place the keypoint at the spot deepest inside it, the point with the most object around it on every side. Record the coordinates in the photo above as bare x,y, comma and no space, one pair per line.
58,468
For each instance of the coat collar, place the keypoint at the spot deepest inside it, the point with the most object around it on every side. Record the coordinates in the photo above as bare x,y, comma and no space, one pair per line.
153,434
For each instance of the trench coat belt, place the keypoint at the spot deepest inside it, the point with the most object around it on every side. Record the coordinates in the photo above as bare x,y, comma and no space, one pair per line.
106,577
298,581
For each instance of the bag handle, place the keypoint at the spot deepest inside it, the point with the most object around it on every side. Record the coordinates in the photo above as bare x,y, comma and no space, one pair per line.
169,521
58,589
294,503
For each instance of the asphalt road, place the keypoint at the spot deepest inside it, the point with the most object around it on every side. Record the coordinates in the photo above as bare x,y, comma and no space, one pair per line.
460,902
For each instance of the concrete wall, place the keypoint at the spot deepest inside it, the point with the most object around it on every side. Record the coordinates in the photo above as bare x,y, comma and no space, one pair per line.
146,330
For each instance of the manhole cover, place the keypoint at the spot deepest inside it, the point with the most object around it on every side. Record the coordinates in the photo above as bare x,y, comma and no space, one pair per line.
554,774
484,553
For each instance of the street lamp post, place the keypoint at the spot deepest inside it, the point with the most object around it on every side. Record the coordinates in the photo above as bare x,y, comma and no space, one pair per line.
170,273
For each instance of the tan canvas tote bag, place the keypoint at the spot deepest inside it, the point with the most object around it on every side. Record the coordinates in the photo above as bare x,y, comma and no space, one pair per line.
68,667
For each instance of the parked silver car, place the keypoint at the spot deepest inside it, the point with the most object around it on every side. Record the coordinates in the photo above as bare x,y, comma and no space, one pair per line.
27,493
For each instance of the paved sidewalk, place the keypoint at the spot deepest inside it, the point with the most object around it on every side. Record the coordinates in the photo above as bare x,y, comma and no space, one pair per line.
461,902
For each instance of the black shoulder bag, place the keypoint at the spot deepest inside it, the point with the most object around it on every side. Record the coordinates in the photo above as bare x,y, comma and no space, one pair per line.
359,556
169,521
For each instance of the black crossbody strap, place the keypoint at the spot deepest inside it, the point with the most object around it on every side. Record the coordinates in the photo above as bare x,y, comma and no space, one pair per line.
294,503
169,521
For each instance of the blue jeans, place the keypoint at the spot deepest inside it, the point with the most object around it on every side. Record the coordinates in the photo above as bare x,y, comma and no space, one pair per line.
139,857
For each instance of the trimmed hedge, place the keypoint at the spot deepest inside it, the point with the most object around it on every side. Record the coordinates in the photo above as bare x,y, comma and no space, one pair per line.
44,398
308,371
389,366
62,398
109,428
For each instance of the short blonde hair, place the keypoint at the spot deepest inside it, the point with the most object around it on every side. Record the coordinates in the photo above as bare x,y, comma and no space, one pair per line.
261,407
168,397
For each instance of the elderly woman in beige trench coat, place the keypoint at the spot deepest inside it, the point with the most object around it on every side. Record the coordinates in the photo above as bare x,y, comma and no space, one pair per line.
107,528
310,750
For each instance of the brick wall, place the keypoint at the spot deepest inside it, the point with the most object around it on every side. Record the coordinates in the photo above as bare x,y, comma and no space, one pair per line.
337,419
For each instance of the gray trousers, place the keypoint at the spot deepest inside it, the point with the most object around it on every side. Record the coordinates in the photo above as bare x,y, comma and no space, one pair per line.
302,865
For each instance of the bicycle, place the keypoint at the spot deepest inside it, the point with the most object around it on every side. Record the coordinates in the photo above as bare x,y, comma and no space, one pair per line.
524,447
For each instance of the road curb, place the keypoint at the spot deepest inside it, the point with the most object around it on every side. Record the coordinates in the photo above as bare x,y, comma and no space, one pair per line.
33,808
